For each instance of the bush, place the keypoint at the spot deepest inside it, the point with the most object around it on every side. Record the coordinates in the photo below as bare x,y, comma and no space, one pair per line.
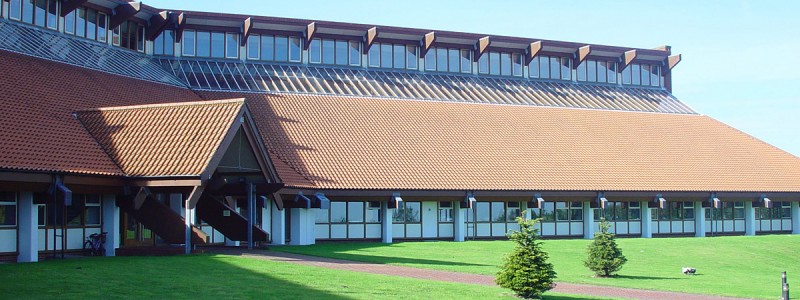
526,270
605,258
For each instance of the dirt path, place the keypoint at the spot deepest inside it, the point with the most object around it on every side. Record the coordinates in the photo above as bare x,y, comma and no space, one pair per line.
561,287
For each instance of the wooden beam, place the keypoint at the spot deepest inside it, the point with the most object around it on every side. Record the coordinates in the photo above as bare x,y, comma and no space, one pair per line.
311,30
194,196
247,28
627,58
124,12
158,23
369,39
181,26
140,197
427,42
533,50
481,46
581,55
672,61
68,6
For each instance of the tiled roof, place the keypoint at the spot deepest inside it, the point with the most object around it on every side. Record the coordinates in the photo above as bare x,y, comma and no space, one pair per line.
366,143
176,139
37,99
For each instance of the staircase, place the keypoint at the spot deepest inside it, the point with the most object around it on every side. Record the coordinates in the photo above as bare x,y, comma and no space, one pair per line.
234,227
163,221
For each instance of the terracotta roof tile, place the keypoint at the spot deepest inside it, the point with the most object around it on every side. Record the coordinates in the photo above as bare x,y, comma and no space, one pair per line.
172,139
37,98
366,143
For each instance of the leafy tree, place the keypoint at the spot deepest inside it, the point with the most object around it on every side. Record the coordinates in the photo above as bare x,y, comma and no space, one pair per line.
605,257
526,270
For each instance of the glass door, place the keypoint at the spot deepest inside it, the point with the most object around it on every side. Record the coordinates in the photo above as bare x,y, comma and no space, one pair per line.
135,234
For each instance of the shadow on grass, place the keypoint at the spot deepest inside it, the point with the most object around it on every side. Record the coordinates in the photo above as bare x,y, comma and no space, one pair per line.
338,251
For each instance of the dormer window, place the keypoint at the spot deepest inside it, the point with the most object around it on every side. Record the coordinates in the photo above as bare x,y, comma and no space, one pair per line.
334,52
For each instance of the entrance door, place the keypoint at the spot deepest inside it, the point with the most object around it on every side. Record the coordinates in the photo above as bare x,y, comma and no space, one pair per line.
135,234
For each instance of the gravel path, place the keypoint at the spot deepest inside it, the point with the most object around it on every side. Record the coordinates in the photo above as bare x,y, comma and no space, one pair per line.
383,269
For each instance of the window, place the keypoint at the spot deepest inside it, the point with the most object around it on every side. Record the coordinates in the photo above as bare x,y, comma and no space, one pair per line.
408,212
92,210
231,45
454,60
642,74
217,44
500,63
253,47
548,212
164,44
355,212
131,36
14,9
338,212
513,211
738,210
445,211
334,52
91,24
295,49
516,67
482,212
550,67
634,211
355,53
8,209
267,47
322,216
39,13
386,55
115,36
102,28
498,212
373,213
194,43
52,14
279,48
562,211
188,43
27,11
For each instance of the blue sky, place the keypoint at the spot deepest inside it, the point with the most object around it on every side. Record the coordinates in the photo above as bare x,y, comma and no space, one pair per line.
740,62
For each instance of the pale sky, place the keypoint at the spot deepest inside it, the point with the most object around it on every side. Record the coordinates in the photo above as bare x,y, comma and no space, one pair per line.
740,62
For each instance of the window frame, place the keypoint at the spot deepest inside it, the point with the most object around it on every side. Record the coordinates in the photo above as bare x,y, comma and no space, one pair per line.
11,202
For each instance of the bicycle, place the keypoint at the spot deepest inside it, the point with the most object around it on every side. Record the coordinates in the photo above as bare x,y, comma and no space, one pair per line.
95,245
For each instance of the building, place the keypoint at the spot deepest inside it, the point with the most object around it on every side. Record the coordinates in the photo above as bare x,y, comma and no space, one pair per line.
186,128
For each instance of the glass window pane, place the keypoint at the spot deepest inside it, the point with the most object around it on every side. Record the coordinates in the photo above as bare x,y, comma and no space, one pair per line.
355,212
412,212
295,49
399,55
466,61
654,75
321,215
8,214
445,213
602,71
544,67
505,64
626,75
411,57
217,44
612,72
441,59
39,12
15,7
52,14
483,64
69,23
281,48
482,212
80,22
645,74
513,212
494,63
158,45
634,214
576,214
188,42
591,71
253,46
203,44
328,48
355,53
498,212
102,32
338,212
533,68
139,38
232,45
581,76
555,67
342,53
548,212
27,11
636,74
315,51
373,215
566,70
399,214
454,60
430,60
267,47
516,68
92,215
374,55
386,55
91,24
124,33
115,37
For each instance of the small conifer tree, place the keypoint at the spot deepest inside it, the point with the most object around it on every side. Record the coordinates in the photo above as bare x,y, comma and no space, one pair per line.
526,270
604,256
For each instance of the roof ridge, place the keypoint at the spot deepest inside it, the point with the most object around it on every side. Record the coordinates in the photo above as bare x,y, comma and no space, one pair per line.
159,105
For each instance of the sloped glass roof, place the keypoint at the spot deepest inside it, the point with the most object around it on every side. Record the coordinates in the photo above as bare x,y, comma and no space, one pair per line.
48,44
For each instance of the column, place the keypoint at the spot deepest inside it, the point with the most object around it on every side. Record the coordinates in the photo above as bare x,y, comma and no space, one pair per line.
459,221
302,226
647,221
749,218
386,223
188,221
588,221
28,230
111,223
278,218
795,217
699,219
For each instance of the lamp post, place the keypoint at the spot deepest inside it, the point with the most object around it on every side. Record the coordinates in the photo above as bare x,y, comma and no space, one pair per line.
784,287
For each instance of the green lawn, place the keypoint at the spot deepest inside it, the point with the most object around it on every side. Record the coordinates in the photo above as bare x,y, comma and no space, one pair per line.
215,277
734,266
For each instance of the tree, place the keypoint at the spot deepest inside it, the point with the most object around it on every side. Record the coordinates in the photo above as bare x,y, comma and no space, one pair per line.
605,257
526,270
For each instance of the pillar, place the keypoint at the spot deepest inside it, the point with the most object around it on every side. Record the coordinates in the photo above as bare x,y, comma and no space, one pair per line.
386,223
111,223
699,219
795,217
647,220
302,227
459,222
749,218
588,221
188,221
28,233
278,218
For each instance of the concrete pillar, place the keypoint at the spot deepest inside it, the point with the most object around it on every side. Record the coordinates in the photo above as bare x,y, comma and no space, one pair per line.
795,217
749,218
459,222
111,223
188,221
302,226
278,218
386,223
28,224
647,221
699,219
588,221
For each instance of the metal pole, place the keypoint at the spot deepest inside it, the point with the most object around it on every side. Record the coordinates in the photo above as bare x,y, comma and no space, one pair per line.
785,295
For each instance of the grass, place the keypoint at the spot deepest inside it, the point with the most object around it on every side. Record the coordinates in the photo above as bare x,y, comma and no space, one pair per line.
218,276
733,266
